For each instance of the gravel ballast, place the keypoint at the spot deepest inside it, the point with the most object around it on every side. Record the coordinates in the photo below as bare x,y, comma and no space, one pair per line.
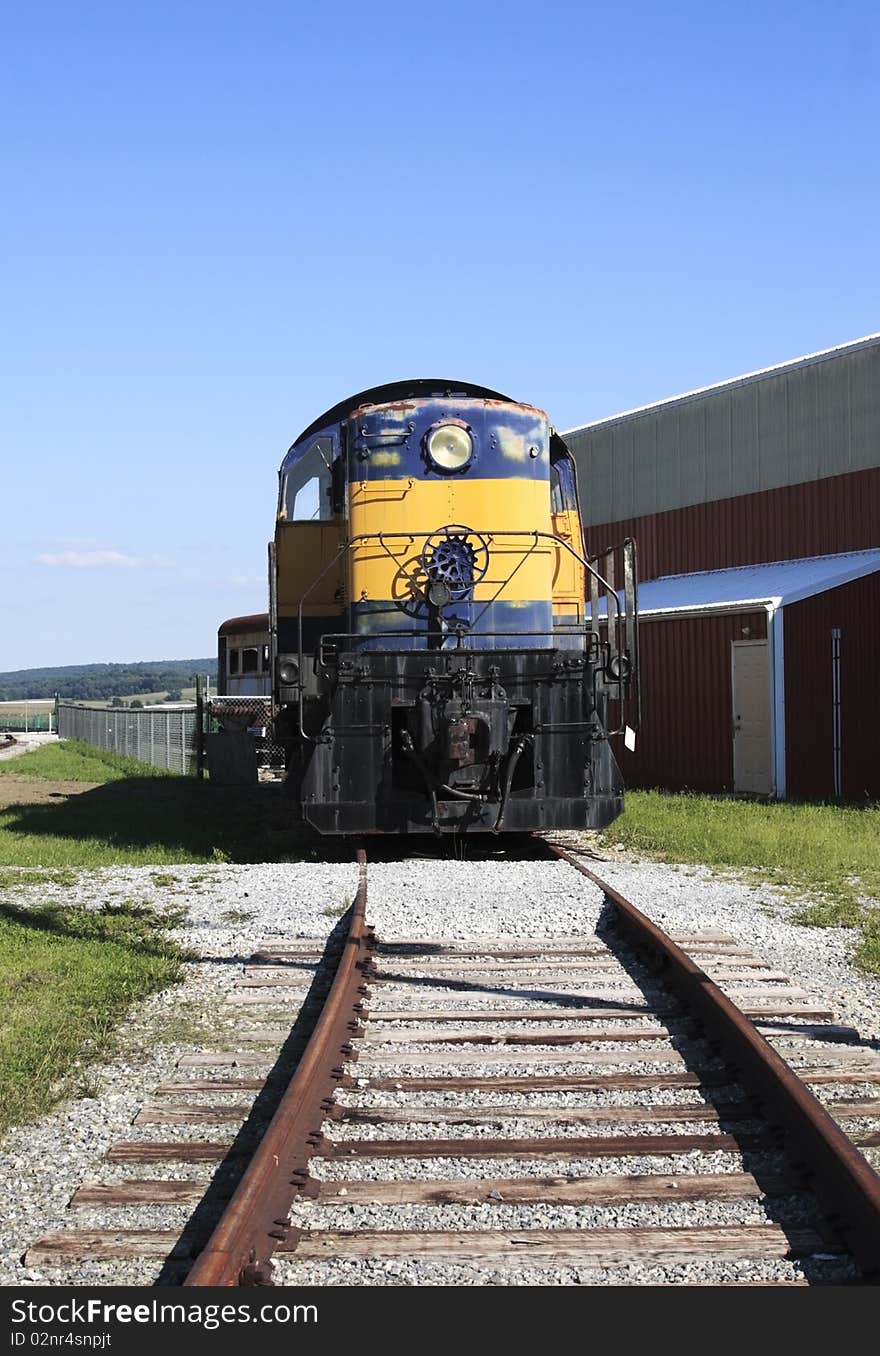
232,909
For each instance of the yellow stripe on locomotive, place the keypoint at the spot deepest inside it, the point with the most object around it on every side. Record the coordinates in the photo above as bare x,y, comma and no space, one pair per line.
410,511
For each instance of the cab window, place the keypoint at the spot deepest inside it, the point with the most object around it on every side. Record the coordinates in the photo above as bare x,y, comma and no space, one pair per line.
563,495
307,494
563,492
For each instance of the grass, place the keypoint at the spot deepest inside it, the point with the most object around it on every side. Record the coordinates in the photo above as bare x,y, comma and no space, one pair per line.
136,827
67,977
187,694
829,853
189,1024
237,916
73,761
12,878
138,816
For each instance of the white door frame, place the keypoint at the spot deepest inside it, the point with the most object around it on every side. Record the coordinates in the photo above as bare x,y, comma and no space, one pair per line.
776,637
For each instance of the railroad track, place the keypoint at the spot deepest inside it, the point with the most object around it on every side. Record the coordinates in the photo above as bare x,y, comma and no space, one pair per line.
567,1110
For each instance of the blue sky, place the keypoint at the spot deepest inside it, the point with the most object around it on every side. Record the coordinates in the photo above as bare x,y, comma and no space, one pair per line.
220,219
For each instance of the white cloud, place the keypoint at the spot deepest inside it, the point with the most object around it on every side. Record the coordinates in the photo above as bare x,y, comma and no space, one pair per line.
97,559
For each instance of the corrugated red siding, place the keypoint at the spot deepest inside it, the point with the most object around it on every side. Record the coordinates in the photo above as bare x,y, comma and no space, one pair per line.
817,518
855,608
686,738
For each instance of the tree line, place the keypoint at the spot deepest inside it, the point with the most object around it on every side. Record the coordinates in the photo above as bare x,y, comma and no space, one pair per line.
101,682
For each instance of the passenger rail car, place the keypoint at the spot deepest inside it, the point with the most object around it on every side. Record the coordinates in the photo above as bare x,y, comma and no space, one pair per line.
446,656
243,668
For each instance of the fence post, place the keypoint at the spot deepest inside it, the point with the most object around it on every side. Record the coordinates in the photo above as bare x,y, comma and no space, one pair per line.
200,728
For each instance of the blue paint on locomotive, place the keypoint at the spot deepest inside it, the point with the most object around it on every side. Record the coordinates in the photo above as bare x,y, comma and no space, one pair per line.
388,443
469,625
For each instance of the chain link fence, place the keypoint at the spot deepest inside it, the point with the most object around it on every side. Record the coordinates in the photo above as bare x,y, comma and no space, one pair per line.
163,738
171,738
26,716
252,716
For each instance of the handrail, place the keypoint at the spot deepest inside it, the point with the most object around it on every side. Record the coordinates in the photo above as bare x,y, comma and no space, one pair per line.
599,586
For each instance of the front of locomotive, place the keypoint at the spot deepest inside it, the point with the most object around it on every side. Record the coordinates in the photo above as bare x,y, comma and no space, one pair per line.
463,688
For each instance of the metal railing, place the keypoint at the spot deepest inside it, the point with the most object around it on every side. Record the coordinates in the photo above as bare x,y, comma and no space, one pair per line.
612,621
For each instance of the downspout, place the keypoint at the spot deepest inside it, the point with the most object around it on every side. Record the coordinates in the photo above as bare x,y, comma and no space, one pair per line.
776,637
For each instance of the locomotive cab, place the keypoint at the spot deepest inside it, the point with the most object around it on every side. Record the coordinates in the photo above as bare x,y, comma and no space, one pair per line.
446,656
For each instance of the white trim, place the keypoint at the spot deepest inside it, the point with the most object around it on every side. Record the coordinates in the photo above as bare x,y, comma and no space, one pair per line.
859,571
867,341
707,609
776,633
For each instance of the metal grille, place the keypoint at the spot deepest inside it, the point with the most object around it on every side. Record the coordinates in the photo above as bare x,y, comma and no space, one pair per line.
167,739
253,714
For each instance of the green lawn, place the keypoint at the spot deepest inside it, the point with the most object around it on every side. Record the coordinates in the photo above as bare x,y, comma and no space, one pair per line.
830,853
137,815
67,976
73,761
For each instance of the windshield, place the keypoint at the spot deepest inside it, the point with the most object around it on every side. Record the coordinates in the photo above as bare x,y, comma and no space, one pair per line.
307,487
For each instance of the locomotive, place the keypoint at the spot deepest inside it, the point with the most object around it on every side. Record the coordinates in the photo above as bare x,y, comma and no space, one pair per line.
446,656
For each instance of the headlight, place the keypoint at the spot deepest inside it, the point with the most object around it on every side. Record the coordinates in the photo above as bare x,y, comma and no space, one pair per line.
619,667
288,670
449,446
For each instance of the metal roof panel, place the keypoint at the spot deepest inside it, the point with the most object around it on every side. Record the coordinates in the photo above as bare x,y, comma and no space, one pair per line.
807,360
774,584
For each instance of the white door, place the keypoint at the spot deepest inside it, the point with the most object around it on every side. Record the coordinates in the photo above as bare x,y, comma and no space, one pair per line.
751,717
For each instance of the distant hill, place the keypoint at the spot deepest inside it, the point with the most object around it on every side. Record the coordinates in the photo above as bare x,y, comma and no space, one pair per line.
101,682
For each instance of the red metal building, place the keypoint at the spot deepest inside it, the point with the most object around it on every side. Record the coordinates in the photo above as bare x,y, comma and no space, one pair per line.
757,680
819,517
761,680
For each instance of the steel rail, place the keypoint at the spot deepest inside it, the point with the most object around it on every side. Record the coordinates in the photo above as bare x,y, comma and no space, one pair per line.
844,1183
255,1220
